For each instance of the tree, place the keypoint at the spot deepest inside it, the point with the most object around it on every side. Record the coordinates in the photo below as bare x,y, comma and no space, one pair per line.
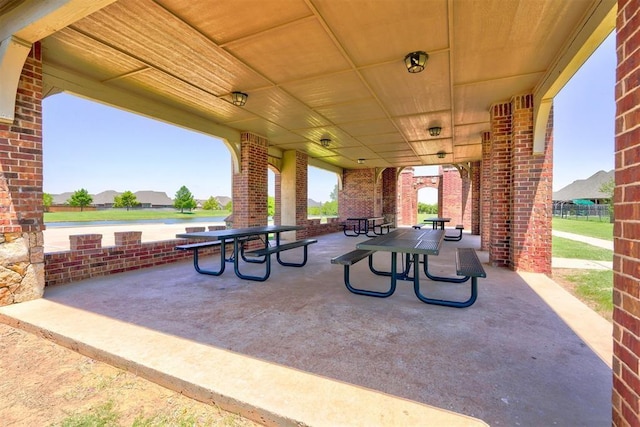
211,204
229,206
80,198
47,201
330,208
334,194
125,200
184,200
607,188
271,206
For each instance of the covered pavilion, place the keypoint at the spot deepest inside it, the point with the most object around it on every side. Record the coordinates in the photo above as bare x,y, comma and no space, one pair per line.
326,83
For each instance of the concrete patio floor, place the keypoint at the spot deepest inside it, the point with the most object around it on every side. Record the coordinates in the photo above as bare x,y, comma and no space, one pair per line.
300,349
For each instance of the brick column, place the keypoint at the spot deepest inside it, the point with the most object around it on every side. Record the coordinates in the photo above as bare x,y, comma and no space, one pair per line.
485,193
476,169
500,197
451,190
21,208
250,185
390,195
294,190
277,188
408,198
531,193
626,231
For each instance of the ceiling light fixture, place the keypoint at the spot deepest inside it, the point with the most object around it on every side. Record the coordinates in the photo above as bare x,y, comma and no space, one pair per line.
415,61
325,142
360,161
441,154
239,98
435,130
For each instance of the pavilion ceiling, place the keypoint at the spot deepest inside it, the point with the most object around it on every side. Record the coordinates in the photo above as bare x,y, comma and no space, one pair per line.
332,69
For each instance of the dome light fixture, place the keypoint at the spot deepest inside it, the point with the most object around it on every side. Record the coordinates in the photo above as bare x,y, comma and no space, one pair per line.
360,161
441,154
239,98
435,130
415,61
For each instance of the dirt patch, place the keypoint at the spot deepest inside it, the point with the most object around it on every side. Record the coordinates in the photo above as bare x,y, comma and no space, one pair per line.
44,384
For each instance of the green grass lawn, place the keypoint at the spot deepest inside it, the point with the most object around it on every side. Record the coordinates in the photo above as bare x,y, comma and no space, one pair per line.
591,228
567,248
592,287
132,215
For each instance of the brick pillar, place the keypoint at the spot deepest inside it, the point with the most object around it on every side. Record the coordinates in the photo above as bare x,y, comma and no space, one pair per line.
294,189
250,185
476,169
358,195
500,237
408,209
449,205
531,193
485,193
626,231
390,195
21,208
85,242
277,188
131,238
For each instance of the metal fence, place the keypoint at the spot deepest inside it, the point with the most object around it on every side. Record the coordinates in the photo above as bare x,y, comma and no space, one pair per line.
571,210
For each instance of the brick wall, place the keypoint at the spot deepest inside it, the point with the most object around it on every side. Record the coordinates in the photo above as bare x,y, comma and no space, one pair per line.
408,198
500,197
531,193
21,209
626,232
358,196
87,258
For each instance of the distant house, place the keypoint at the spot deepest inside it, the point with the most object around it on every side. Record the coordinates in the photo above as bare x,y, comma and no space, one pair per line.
104,200
584,198
583,190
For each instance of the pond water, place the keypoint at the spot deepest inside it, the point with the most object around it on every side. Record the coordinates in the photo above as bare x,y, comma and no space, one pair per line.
210,219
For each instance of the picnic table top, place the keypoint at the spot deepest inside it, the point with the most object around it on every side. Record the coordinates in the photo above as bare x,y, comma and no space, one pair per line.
406,240
231,233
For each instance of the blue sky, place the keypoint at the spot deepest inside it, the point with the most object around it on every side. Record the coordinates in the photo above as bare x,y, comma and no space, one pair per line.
92,146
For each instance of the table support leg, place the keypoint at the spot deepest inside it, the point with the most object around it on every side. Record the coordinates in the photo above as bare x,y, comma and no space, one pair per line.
201,270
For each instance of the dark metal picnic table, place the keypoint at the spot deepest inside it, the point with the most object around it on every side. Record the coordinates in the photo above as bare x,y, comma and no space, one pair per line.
412,243
437,222
239,237
364,224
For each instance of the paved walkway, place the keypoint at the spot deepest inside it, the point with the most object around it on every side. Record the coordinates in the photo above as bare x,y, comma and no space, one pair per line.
575,263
